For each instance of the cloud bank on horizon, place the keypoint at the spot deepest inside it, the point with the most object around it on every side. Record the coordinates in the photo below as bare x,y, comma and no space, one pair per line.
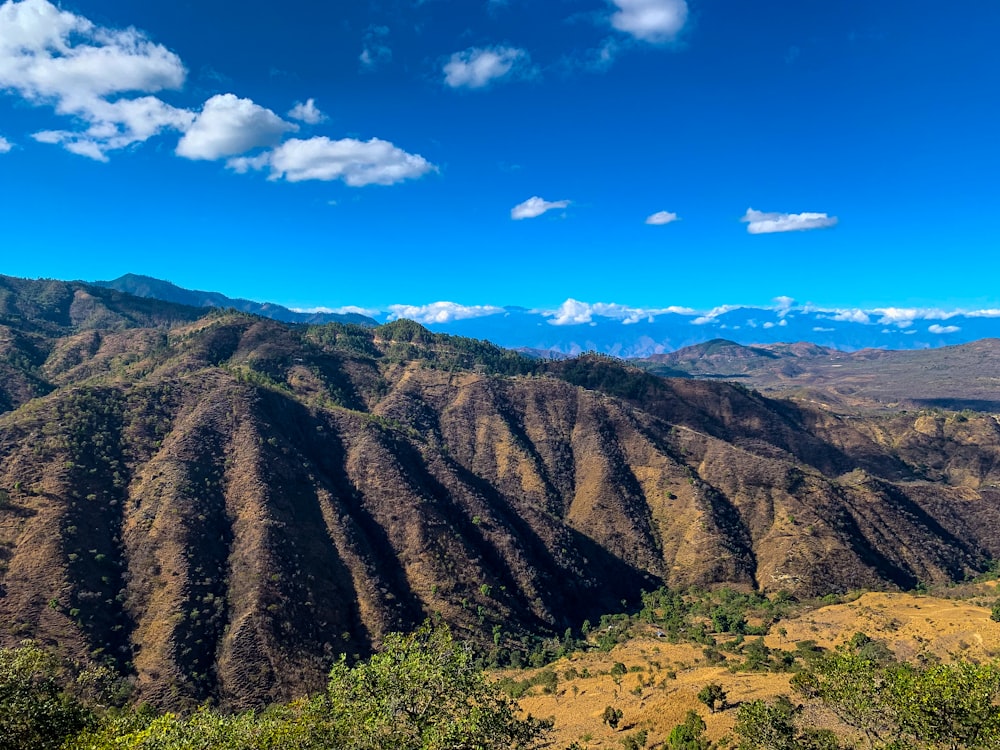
576,313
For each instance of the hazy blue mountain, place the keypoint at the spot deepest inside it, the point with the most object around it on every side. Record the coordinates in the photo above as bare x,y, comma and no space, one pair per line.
635,333
147,286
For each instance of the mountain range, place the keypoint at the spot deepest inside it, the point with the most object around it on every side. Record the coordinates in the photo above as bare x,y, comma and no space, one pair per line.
220,504
630,332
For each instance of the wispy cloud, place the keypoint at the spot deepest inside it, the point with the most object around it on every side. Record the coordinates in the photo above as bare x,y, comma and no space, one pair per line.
5,145
476,67
369,312
943,329
534,207
442,312
307,112
715,312
356,163
655,21
761,222
376,52
661,218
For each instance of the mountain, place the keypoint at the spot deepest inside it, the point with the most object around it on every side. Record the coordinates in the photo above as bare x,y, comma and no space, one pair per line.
146,286
952,377
220,504
575,327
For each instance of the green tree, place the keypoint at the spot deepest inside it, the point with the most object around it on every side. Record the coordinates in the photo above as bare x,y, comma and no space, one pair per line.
690,735
612,716
948,705
35,712
713,696
423,692
766,726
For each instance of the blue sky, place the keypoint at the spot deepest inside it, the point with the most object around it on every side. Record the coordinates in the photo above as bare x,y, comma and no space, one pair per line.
507,153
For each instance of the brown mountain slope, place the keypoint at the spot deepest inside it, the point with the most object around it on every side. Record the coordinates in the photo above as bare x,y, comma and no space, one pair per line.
222,506
951,377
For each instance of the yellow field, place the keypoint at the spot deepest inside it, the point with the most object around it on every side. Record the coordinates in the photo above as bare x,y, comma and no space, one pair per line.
667,677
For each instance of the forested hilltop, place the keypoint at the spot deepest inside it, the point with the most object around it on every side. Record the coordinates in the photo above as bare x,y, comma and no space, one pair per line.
219,506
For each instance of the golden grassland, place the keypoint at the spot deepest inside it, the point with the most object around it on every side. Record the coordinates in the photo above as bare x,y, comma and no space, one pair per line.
664,679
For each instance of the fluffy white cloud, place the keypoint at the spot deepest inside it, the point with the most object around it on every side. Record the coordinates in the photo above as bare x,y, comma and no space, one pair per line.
760,222
650,20
228,125
357,163
943,329
442,312
476,67
851,316
903,317
118,124
574,312
662,217
307,112
534,207
54,57
5,145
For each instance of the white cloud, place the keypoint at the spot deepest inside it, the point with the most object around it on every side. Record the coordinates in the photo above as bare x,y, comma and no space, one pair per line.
307,112
5,145
56,58
662,217
760,222
715,312
228,125
442,312
943,329
650,20
904,317
476,67
534,207
851,316
116,125
375,51
574,312
357,163
783,305
820,329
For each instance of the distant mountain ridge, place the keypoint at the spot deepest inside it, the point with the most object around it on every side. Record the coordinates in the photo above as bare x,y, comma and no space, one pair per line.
147,286
950,377
633,333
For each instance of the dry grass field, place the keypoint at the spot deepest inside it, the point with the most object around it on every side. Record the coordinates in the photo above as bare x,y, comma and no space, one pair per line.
664,679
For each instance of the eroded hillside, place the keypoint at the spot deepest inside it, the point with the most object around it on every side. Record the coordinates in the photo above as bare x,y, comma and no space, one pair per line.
221,504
